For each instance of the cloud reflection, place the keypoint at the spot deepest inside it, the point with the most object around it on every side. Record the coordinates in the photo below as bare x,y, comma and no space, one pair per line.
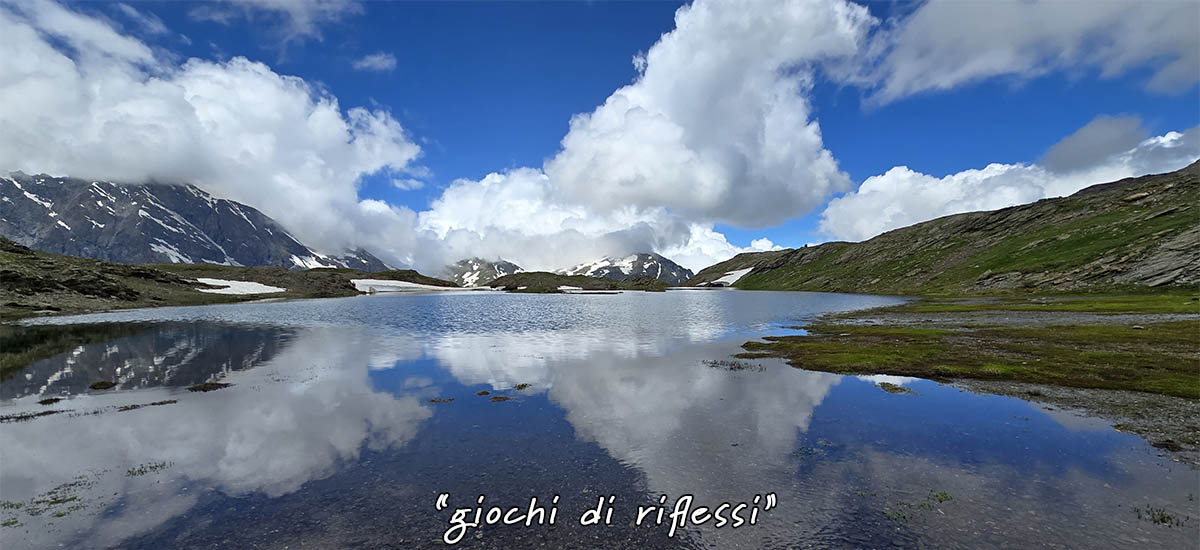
293,419
654,405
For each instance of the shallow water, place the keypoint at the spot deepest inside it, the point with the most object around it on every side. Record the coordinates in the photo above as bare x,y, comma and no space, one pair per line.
328,436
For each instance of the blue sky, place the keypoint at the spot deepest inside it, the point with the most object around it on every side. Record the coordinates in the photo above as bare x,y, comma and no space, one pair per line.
483,87
486,86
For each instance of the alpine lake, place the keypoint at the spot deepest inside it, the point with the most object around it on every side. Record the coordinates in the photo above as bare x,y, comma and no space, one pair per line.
370,421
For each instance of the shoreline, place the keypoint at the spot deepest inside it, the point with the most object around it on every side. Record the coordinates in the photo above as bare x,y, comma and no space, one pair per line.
1131,360
42,284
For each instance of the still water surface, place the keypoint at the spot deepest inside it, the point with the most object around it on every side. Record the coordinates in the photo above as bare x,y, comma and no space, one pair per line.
328,437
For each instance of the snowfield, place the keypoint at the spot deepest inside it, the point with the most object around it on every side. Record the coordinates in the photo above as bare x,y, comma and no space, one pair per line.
732,277
237,287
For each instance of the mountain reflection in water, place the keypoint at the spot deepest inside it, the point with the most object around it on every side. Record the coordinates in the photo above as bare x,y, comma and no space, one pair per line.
327,436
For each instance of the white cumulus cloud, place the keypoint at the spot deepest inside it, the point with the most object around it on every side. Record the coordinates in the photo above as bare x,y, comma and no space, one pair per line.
716,127
764,245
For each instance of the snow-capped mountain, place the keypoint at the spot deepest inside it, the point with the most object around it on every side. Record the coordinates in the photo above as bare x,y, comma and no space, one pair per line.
648,264
151,223
479,272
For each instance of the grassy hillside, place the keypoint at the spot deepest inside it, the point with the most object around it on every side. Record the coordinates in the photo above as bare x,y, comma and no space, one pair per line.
39,283
544,282
1132,234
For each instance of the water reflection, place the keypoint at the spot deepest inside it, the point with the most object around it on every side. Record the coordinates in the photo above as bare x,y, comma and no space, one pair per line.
690,428
868,473
327,436
142,356
298,416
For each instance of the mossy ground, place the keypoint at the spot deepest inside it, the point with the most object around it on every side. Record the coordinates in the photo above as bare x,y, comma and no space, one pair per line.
1158,357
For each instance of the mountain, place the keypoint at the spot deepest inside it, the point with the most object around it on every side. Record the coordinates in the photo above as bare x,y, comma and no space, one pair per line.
152,223
479,272
1133,233
635,265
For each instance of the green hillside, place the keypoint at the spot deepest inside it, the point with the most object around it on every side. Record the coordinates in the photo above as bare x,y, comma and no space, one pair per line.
1131,234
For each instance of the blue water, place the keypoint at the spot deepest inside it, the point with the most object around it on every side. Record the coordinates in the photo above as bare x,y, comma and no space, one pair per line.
328,437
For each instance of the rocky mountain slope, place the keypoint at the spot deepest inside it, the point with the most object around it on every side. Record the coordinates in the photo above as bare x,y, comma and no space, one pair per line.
479,272
149,223
635,265
1137,232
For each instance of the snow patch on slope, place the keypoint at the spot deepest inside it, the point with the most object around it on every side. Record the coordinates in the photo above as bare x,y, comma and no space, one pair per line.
732,277
236,287
172,253
37,199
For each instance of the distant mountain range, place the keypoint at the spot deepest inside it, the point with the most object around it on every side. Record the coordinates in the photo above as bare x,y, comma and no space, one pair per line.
479,272
634,265
152,223
1133,233
163,223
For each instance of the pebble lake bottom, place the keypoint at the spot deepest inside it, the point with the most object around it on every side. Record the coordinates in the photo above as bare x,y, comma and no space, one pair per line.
348,419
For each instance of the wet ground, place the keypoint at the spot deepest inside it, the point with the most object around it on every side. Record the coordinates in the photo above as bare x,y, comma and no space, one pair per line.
1171,424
